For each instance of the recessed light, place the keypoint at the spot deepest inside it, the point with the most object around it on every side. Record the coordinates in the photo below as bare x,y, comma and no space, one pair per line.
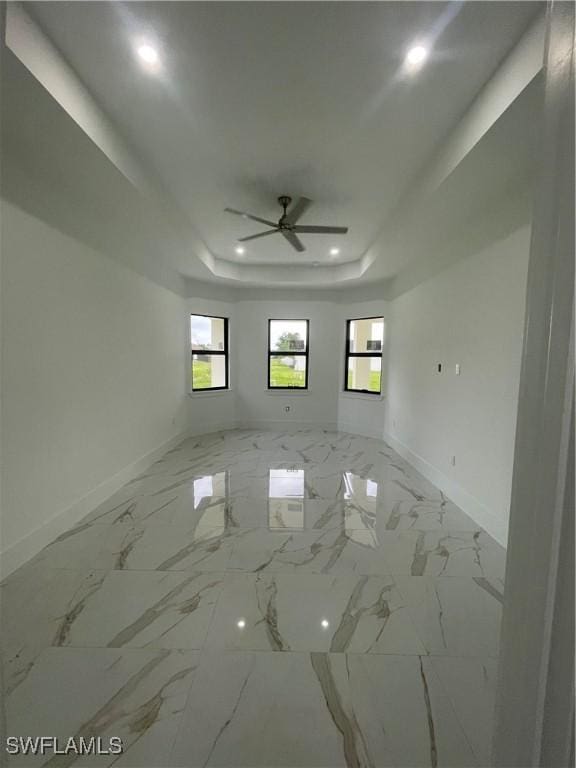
241,623
147,53
334,251
325,623
416,56
239,250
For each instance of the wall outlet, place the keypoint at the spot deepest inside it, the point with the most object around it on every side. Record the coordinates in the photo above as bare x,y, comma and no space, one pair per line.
453,460
287,408
457,369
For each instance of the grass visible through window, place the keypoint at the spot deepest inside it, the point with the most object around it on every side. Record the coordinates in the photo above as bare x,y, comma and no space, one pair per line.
374,385
201,374
282,375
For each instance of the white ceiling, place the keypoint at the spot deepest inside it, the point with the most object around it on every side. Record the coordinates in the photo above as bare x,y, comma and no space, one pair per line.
213,129
259,99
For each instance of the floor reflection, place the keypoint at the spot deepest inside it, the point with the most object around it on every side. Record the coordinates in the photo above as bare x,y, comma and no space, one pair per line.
211,497
360,515
354,510
286,499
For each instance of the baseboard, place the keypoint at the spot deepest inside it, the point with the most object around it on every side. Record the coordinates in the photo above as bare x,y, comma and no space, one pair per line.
469,504
207,429
29,546
293,425
351,428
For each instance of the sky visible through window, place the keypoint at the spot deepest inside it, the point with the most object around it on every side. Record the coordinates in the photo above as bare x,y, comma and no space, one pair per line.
200,330
280,327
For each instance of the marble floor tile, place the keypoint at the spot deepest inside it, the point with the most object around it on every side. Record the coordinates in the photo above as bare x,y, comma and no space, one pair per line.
37,606
443,553
146,609
453,616
322,710
136,695
176,547
325,551
311,612
276,514
137,508
471,687
388,506
99,547
302,599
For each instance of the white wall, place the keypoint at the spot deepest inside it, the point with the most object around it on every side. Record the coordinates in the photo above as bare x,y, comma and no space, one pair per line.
359,413
250,403
317,407
93,379
471,314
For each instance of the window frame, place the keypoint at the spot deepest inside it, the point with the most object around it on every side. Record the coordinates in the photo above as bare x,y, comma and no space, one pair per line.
275,353
348,354
221,353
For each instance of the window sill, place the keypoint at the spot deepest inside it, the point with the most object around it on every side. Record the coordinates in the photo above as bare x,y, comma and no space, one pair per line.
210,393
363,396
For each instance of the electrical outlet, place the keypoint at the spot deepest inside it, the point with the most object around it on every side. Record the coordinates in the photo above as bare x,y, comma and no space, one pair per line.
457,369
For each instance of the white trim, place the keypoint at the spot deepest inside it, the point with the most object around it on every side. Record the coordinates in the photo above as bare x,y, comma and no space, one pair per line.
290,425
29,546
375,398
534,724
208,429
278,392
209,392
352,429
469,504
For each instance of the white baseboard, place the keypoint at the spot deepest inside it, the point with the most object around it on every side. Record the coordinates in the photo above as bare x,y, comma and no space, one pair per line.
270,425
207,429
351,428
29,546
469,504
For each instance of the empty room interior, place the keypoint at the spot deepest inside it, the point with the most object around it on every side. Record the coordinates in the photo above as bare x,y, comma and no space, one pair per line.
265,269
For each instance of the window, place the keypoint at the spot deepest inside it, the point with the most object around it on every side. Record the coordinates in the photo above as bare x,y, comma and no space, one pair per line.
209,345
288,354
364,342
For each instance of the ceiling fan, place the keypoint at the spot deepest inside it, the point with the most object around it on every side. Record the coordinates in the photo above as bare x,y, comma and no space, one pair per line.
287,225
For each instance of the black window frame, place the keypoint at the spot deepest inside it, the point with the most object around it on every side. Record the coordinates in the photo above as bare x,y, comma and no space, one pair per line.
349,354
276,353
217,353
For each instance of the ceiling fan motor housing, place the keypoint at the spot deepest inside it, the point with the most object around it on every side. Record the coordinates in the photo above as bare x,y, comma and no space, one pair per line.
284,201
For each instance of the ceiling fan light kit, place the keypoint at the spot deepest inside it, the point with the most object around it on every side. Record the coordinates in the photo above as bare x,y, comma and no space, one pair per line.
287,225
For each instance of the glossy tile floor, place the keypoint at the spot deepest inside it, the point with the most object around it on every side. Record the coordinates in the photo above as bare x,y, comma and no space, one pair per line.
262,599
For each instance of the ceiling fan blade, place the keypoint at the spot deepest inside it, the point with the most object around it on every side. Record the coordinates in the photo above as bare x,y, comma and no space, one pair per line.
260,234
321,230
293,240
297,210
250,216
